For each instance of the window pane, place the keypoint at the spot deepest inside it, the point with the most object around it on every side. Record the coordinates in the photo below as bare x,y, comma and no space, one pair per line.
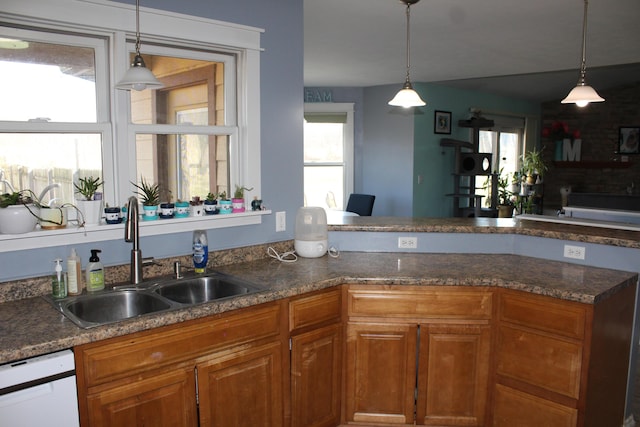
323,186
188,83
185,165
47,81
323,142
34,161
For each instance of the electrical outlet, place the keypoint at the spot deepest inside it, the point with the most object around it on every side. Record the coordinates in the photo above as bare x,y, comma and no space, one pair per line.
574,252
407,242
281,221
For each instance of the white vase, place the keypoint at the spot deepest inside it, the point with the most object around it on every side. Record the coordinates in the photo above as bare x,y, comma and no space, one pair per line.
53,218
91,210
18,219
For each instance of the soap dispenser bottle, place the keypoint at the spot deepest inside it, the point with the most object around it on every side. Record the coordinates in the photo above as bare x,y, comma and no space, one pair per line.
74,273
58,281
200,251
95,272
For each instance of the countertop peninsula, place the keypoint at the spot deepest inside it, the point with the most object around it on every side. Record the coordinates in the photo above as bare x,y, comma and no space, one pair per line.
31,326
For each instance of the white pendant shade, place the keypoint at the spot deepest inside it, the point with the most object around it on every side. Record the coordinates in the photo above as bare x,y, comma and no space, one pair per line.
139,77
407,98
582,95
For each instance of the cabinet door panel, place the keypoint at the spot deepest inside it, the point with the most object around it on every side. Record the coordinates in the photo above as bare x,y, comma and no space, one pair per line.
453,374
551,363
316,364
381,372
242,388
515,408
164,399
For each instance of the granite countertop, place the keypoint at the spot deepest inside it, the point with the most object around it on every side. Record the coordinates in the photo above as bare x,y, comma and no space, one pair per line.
31,326
578,233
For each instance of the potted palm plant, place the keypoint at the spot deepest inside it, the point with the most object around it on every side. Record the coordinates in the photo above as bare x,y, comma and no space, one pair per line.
506,202
150,197
533,165
88,203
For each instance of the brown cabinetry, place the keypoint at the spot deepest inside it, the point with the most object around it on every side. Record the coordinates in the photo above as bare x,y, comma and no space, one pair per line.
316,359
166,376
561,363
418,353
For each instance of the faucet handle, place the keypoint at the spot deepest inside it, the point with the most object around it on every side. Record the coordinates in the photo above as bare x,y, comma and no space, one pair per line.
176,270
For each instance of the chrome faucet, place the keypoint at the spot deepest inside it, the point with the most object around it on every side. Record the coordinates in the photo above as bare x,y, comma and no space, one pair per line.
131,234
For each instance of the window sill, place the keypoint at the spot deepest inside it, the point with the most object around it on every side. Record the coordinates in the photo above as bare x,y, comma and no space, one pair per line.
98,233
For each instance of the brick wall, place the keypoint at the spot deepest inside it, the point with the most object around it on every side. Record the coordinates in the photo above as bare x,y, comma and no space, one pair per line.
598,124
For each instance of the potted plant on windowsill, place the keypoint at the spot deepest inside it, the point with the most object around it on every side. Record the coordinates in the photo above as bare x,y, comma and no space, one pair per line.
237,202
89,204
225,204
211,204
150,197
18,212
506,202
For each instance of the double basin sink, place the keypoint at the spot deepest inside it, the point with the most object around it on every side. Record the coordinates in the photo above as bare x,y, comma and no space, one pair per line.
128,301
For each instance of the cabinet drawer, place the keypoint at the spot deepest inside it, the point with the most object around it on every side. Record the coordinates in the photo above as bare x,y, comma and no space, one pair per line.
312,310
423,302
124,356
550,363
515,408
544,313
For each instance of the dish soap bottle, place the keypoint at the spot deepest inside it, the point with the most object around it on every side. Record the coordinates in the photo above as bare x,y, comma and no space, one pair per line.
58,281
95,272
200,251
74,273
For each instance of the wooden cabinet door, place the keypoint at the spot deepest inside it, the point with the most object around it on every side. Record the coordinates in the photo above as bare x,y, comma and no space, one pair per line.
242,388
381,373
316,368
453,374
165,398
516,408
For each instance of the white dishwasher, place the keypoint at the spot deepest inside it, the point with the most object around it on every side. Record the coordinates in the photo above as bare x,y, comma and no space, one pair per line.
40,391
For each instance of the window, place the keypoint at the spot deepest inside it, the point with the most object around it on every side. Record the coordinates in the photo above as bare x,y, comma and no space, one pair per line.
504,142
328,154
200,133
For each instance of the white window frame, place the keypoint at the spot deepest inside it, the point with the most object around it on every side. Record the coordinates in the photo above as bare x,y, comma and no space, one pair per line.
348,137
116,23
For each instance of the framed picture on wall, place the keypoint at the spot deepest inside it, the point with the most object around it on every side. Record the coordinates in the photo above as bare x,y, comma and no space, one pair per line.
442,122
629,140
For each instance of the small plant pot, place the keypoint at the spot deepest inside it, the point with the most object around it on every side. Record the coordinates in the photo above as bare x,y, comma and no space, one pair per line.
150,213
225,207
505,211
210,207
53,218
237,205
182,209
167,210
91,210
112,215
197,210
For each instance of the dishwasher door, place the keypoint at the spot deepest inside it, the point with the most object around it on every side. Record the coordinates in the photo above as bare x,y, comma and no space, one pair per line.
39,392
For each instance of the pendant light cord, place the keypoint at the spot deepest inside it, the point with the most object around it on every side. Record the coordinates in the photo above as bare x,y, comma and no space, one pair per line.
408,39
583,64
137,27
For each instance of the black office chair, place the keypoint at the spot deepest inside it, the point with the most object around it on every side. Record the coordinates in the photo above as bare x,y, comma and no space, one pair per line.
362,204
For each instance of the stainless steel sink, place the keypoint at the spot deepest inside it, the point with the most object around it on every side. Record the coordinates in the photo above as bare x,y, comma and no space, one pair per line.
111,306
129,301
197,290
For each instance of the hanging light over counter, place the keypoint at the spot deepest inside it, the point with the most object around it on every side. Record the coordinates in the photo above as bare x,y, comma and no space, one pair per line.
583,94
407,96
138,77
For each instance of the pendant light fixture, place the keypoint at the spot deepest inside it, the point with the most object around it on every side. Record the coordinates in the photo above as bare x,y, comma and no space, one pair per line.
138,77
407,97
583,94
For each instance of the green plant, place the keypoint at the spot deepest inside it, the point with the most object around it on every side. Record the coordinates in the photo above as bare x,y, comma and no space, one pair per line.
532,163
149,193
223,195
88,186
22,197
212,197
505,196
239,192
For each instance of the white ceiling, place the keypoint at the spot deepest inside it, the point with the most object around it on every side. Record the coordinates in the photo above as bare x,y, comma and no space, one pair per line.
527,49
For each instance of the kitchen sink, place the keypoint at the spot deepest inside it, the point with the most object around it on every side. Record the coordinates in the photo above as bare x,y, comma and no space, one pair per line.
202,289
129,301
112,306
